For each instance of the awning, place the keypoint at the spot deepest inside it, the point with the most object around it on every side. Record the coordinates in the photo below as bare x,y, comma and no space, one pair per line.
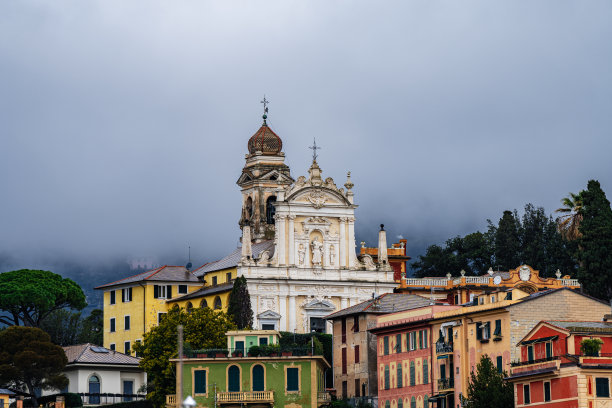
438,397
541,340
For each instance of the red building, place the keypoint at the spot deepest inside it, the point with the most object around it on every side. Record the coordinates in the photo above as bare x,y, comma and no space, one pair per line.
554,370
405,357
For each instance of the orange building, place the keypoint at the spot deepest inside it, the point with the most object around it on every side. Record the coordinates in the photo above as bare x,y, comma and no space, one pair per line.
463,289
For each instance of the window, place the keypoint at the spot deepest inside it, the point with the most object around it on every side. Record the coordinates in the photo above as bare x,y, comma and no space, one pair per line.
112,297
233,379
548,349
497,332
112,346
182,289
387,379
547,391
270,210
138,341
387,404
400,403
293,379
263,341
500,366
189,307
199,382
344,360
399,375
530,353
413,342
425,340
94,388
426,401
343,324
356,354
126,347
126,295
526,396
398,343
203,304
344,389
386,345
162,291
228,277
413,403
486,331
214,281
258,378
126,322
425,371
355,324
128,390
456,299
112,325
160,316
317,324
217,304
602,387
267,326
412,374
357,386
492,298
420,333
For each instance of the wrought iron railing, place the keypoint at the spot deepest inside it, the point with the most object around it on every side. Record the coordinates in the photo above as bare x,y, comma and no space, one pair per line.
528,362
443,348
108,398
245,396
253,351
445,383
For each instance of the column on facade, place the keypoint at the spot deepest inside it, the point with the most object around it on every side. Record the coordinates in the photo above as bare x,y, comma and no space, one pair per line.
282,310
351,242
343,303
291,242
292,312
280,220
342,246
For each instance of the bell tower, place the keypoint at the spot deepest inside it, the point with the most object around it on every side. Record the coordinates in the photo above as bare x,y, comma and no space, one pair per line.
264,173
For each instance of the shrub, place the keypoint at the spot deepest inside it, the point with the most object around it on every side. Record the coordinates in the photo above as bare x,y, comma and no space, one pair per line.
255,351
590,347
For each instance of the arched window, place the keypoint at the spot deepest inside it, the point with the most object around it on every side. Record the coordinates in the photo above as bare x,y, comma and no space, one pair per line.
249,208
233,379
270,209
258,378
400,403
94,388
217,303
203,304
189,307
413,403
426,401
387,404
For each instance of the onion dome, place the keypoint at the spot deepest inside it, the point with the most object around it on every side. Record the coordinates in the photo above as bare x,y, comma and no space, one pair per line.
265,141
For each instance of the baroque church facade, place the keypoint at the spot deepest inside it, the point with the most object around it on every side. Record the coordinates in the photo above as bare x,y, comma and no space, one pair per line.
298,243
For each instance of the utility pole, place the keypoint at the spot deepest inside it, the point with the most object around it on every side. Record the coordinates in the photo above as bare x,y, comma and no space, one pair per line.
179,373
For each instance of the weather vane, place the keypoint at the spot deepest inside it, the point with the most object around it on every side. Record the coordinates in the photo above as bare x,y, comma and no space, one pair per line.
265,103
314,149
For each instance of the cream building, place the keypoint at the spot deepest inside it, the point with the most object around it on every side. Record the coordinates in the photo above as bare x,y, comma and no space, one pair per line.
298,243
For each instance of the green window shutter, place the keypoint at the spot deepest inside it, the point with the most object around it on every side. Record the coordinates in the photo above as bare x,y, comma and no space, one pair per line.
497,328
233,380
546,391
602,387
387,379
399,375
258,378
412,374
499,364
425,372
425,338
386,345
398,343
548,349
199,381
413,403
530,353
478,331
293,379
420,339
526,395
400,403
169,292
156,291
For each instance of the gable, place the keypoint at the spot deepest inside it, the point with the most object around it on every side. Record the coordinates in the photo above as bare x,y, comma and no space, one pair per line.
318,196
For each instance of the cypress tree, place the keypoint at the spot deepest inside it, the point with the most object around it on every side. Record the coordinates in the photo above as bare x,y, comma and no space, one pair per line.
595,244
507,242
239,305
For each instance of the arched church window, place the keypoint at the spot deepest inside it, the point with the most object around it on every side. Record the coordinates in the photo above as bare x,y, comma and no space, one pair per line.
189,307
270,209
249,207
218,304
203,304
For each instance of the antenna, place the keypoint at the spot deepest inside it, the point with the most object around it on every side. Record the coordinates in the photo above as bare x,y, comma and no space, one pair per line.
189,264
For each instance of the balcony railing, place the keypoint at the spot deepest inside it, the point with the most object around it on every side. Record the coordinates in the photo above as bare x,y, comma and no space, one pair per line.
245,396
425,282
540,360
259,351
108,398
445,384
324,397
171,400
444,348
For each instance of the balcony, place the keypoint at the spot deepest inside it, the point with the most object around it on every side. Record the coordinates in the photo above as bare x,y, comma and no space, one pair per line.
443,347
445,384
171,400
245,397
254,351
323,397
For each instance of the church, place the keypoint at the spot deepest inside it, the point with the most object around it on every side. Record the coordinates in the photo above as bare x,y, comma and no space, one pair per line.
298,243
297,254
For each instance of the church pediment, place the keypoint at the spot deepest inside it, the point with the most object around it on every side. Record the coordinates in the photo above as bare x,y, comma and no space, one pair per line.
269,314
275,175
320,305
318,197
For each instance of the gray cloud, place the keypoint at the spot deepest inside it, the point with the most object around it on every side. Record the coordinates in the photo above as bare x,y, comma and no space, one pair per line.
124,124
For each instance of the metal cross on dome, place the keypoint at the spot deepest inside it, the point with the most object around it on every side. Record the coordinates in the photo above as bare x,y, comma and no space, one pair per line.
265,104
314,149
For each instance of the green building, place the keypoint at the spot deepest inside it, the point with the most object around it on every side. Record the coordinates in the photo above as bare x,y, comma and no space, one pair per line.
265,376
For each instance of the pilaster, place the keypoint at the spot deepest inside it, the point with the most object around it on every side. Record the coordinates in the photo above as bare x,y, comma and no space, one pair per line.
343,243
291,243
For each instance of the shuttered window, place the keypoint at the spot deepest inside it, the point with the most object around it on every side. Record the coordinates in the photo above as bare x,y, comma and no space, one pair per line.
500,366
356,354
413,403
547,391
400,382
233,379
530,353
199,381
386,345
398,343
498,331
400,403
425,371
293,383
412,374
112,297
344,360
602,387
387,379
112,324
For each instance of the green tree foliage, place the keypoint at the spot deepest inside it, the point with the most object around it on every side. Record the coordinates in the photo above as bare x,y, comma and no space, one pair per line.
532,239
91,330
571,216
487,387
203,329
30,296
239,304
67,328
595,244
28,360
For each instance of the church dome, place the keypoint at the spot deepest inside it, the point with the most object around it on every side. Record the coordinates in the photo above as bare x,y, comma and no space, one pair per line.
265,141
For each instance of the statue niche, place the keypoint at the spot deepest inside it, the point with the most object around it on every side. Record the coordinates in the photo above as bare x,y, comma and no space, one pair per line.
316,249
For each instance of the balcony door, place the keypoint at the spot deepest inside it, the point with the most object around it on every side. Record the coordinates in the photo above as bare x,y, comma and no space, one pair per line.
233,379
258,378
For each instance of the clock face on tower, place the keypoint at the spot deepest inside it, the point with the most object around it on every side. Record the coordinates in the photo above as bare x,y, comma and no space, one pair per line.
524,273
497,280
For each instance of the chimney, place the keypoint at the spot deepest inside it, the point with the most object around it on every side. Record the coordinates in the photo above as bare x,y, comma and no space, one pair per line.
382,246
247,253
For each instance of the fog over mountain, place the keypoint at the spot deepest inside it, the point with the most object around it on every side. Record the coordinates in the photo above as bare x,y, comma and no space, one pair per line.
124,124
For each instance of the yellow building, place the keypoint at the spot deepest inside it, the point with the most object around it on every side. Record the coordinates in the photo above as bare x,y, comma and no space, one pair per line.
494,325
135,304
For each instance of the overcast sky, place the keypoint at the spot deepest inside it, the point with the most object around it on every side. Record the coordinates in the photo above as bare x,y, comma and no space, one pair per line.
124,124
